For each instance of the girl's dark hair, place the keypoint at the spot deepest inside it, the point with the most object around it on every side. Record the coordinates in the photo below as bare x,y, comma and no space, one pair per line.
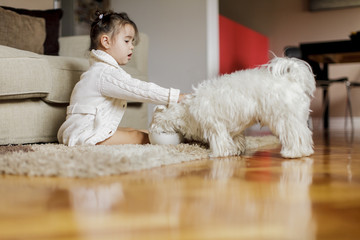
110,23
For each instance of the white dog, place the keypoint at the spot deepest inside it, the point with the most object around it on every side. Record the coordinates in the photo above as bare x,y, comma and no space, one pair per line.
277,94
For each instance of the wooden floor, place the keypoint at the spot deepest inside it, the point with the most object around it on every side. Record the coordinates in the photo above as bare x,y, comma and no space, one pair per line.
259,196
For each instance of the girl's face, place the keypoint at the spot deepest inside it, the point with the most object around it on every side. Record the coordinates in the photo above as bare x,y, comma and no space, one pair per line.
121,45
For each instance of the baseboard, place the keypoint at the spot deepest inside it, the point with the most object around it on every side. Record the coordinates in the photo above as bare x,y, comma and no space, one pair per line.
336,123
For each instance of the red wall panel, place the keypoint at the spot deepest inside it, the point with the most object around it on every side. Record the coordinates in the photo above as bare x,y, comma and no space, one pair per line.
240,47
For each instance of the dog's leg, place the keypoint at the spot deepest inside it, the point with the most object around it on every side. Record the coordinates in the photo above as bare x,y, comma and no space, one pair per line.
220,141
240,142
296,139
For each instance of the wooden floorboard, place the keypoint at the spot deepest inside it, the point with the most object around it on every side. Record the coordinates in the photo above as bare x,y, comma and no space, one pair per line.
257,196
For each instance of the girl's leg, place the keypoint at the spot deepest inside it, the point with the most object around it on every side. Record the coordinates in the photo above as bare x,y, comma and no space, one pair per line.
127,136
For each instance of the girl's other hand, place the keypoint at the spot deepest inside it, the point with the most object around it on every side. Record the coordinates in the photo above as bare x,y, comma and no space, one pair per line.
181,97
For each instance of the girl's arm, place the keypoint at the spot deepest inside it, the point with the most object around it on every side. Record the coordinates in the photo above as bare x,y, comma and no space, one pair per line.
121,85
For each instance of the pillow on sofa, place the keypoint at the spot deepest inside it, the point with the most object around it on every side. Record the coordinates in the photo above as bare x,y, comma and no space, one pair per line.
52,22
21,31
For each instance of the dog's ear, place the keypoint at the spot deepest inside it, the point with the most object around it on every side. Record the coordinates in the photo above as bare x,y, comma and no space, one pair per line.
159,108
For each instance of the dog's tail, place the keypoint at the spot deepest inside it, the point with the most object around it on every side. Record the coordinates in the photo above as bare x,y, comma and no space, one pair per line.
296,70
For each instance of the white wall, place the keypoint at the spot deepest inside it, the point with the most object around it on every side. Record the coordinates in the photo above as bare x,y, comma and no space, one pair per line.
180,52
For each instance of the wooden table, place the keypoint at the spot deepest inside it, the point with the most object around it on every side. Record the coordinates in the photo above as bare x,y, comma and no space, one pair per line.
329,52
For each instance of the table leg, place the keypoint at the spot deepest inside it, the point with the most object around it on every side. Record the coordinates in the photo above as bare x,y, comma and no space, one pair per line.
326,108
326,98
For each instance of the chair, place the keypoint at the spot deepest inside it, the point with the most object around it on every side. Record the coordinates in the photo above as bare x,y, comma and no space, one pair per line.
323,81
350,85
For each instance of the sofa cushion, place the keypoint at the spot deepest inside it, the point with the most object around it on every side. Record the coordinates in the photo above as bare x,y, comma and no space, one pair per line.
23,74
43,120
30,121
52,26
21,31
65,73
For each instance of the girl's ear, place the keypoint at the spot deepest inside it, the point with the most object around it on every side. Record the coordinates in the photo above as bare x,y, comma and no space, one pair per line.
105,41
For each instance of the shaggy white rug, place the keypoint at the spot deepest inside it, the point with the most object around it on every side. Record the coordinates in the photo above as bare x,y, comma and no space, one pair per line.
94,161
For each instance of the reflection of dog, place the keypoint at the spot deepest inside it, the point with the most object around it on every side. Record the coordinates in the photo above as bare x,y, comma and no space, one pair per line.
277,94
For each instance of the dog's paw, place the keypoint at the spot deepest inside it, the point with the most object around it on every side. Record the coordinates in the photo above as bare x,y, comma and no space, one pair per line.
240,150
240,143
224,147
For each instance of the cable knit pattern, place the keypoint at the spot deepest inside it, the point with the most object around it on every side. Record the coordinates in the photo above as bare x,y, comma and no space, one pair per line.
105,89
134,89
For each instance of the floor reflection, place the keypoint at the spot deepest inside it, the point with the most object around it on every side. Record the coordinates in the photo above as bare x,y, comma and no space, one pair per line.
99,198
219,197
223,169
93,207
293,188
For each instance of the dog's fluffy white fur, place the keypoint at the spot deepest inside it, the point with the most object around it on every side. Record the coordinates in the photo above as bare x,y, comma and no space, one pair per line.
276,94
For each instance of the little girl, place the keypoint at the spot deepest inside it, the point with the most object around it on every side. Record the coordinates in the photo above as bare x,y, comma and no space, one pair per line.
98,101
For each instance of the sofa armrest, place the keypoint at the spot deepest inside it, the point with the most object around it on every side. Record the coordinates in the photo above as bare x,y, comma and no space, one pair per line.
78,46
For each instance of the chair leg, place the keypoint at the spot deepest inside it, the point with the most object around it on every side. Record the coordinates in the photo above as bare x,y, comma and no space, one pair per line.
348,107
325,104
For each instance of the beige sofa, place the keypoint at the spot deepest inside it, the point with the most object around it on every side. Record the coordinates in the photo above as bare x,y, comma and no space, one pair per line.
35,89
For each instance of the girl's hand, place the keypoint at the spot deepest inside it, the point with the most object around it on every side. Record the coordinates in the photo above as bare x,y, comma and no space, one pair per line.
181,97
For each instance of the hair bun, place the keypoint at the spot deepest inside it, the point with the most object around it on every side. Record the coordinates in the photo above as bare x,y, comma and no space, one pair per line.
99,15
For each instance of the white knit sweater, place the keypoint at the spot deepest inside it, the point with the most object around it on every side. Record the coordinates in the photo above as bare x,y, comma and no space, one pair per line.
98,101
